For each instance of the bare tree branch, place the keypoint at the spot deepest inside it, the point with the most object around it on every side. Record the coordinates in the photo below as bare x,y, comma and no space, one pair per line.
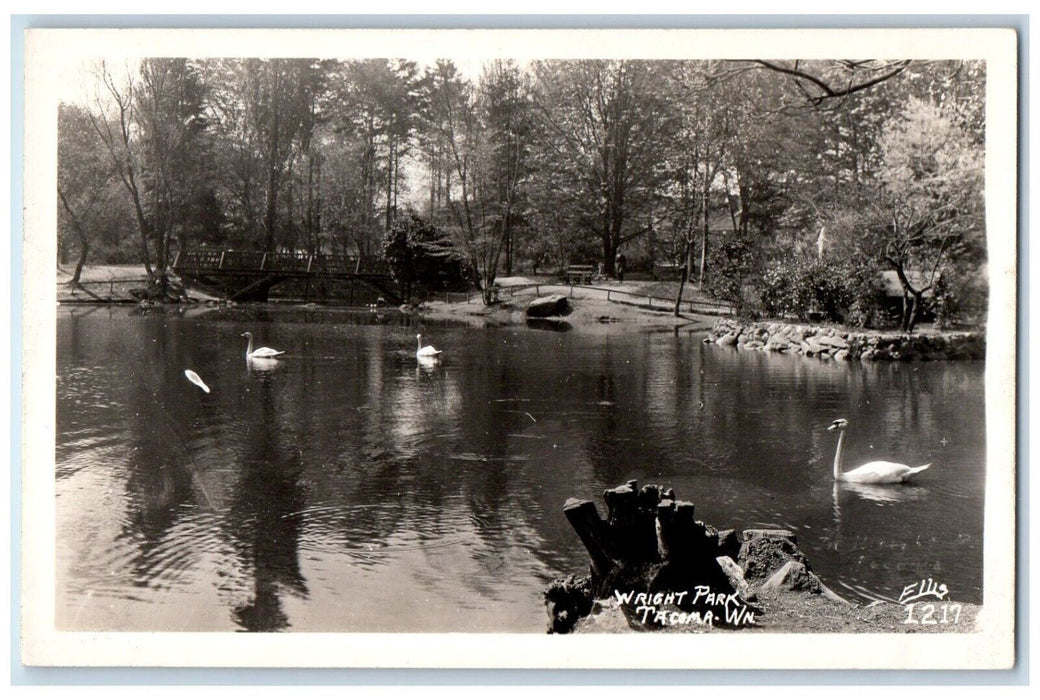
829,91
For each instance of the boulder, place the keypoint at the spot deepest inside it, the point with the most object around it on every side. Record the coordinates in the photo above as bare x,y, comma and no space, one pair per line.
605,617
568,600
834,341
795,576
728,339
812,346
552,305
765,551
792,576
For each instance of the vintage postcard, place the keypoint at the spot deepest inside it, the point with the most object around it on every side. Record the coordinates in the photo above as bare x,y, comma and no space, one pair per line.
520,348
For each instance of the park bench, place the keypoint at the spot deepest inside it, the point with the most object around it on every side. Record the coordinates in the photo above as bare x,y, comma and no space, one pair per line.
580,274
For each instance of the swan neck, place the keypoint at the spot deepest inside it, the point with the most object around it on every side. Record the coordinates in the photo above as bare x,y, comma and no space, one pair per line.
838,454
249,349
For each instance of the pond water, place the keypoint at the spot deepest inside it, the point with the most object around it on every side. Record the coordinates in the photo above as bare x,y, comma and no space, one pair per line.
347,488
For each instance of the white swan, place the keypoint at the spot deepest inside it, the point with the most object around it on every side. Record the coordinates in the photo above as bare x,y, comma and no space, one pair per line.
427,351
259,352
196,380
871,472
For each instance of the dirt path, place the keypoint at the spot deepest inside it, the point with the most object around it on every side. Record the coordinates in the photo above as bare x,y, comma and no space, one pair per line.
591,312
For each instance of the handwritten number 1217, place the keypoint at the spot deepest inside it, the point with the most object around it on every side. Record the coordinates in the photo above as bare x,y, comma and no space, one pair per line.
926,614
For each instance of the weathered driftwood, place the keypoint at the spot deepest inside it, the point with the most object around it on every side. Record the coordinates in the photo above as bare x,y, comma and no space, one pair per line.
649,543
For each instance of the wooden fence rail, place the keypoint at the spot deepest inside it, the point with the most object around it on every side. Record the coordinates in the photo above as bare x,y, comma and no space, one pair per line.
613,295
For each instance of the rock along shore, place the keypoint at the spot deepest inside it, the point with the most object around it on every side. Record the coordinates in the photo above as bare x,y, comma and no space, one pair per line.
837,344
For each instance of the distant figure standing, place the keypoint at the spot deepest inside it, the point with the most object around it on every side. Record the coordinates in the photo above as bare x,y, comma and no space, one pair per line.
619,266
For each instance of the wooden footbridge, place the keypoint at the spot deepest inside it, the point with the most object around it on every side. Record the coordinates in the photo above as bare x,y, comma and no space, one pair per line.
249,275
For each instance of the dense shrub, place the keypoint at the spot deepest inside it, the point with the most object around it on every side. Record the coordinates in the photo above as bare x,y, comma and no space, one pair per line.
422,258
959,296
847,291
943,303
731,265
777,291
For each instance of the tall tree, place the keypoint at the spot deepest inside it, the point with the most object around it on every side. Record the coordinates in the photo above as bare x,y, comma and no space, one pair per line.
265,112
506,107
607,124
379,105
930,208
85,176
695,162
151,124
482,134
454,119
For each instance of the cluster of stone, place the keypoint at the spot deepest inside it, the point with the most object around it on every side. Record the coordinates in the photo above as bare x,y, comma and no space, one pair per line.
836,344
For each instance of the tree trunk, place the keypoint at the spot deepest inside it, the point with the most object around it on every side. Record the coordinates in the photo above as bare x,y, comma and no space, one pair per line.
164,262
84,243
704,231
685,275
307,207
142,224
389,181
912,311
271,213
509,251
912,298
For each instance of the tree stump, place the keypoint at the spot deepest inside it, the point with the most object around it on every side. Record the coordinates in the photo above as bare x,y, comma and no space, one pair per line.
649,544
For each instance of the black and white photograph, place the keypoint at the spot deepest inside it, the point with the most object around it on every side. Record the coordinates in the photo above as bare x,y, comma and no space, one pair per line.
520,348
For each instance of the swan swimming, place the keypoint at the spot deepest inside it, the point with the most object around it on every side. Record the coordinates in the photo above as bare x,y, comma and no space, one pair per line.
427,351
871,472
259,352
196,380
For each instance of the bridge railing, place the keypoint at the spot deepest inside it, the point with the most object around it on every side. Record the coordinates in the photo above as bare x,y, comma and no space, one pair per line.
258,261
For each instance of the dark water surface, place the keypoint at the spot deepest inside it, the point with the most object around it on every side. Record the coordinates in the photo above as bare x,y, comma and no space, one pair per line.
347,488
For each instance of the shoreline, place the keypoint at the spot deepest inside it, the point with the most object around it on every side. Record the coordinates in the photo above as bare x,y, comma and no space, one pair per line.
586,315
592,310
831,342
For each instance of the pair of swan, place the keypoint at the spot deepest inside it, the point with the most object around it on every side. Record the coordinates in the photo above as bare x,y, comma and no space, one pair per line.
879,472
427,351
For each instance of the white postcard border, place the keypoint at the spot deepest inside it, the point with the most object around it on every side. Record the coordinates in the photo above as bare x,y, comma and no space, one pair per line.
50,60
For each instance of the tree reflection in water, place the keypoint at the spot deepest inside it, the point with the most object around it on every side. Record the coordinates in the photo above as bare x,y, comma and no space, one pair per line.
265,514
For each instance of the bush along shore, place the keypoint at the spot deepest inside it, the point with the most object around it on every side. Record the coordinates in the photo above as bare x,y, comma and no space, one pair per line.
837,344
